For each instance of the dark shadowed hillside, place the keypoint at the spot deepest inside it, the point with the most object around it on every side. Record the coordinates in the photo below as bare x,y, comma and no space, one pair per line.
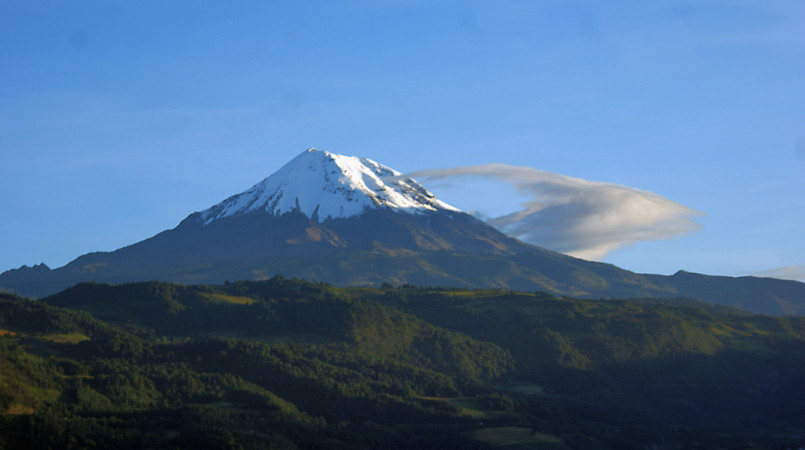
284,363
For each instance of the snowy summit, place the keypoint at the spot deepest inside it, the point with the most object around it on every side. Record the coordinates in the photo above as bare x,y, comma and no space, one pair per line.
325,185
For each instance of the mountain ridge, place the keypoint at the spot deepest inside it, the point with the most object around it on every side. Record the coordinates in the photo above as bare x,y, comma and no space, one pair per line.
409,237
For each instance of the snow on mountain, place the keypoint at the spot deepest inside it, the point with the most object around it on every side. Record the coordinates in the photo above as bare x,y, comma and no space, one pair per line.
325,185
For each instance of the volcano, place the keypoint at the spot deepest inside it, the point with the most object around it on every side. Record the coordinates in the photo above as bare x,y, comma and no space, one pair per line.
351,221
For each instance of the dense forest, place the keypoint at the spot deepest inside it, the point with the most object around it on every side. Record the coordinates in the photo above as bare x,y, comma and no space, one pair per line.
285,363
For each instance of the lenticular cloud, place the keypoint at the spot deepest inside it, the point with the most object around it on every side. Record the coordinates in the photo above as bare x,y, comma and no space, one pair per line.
585,219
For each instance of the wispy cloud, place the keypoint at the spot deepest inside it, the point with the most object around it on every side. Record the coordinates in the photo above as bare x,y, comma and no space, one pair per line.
796,273
586,219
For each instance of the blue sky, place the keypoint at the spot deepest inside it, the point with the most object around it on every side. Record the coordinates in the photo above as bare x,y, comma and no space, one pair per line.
118,119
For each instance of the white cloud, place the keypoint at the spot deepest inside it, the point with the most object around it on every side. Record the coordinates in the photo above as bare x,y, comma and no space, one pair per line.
796,273
586,219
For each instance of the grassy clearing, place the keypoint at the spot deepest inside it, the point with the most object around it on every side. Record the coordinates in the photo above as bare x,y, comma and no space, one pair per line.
519,437
722,329
223,298
469,406
466,406
70,338
19,409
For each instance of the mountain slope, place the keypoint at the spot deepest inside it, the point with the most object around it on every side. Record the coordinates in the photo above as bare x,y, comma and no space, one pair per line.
450,249
353,222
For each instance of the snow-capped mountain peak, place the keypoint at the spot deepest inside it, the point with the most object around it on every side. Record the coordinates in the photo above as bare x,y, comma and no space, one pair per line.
325,185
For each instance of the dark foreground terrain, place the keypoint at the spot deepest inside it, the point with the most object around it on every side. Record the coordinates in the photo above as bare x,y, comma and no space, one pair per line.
289,364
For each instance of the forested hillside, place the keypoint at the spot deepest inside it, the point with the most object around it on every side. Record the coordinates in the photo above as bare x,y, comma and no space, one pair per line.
290,364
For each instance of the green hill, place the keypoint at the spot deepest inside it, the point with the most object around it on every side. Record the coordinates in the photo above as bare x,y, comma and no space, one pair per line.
284,363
